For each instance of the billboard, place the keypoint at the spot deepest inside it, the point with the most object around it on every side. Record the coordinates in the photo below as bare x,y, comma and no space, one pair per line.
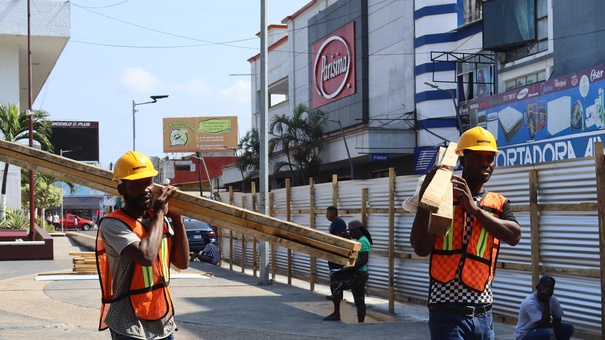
78,140
551,120
205,134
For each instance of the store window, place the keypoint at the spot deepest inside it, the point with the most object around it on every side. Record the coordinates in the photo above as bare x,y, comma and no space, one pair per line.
541,42
525,80
472,10
475,78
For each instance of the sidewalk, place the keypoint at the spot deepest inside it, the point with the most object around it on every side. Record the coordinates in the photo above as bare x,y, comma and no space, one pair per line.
227,305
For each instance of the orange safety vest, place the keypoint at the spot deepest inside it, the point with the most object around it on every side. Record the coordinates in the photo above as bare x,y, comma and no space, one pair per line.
477,259
149,292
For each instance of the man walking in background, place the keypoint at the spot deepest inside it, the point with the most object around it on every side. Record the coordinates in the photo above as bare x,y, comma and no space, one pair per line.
338,227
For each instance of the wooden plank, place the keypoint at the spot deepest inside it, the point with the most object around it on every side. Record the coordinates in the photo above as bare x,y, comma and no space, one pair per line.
441,221
534,224
391,267
267,228
450,158
433,195
82,253
599,156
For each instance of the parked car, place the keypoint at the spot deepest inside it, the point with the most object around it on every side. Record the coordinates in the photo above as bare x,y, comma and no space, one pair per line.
199,234
68,223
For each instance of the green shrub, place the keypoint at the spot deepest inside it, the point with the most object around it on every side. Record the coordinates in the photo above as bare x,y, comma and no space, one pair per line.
15,219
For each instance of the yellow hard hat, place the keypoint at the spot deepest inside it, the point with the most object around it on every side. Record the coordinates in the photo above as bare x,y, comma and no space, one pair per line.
133,165
476,139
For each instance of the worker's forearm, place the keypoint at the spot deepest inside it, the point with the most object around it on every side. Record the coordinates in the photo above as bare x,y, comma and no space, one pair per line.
422,241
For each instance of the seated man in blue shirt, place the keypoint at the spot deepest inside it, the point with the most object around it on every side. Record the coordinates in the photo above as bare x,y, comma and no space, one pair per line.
540,315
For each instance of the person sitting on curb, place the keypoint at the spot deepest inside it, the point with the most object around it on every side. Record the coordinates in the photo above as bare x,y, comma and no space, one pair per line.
536,312
353,278
210,254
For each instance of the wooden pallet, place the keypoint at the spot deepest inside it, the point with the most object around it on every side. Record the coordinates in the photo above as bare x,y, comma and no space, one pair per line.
267,228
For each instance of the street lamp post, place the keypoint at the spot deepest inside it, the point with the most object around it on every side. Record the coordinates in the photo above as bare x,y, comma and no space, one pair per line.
61,151
451,92
342,132
134,110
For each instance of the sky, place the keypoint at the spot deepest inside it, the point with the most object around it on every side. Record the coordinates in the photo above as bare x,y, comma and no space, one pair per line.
195,51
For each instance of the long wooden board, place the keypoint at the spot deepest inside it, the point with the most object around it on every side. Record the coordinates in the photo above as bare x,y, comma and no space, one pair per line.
267,228
433,195
440,219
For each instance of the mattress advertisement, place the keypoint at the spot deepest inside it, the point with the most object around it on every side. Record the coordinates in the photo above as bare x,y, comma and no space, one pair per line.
567,111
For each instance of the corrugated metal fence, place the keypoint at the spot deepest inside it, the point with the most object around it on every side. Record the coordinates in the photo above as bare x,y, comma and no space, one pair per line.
565,242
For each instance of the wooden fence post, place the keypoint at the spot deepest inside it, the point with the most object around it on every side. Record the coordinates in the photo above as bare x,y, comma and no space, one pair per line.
273,247
391,240
364,206
312,226
289,219
254,242
534,227
335,190
243,259
600,173
230,232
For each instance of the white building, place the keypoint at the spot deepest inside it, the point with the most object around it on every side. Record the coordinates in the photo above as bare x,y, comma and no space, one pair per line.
50,32
371,94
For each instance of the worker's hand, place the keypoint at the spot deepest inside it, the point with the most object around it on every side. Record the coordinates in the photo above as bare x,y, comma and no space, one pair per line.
461,192
177,219
161,202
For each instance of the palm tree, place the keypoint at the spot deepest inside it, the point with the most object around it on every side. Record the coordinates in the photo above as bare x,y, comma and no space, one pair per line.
15,127
249,160
299,136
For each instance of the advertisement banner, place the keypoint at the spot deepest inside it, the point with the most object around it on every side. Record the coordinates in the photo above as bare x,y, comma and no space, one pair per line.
204,134
77,140
334,66
558,107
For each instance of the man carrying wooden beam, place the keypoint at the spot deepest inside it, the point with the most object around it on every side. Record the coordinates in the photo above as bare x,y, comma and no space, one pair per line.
135,247
338,227
462,262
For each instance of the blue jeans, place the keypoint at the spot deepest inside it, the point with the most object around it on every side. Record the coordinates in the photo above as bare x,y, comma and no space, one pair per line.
447,325
564,332
116,336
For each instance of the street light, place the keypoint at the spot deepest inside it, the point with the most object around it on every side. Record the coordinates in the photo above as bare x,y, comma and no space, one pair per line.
342,132
451,92
61,151
134,110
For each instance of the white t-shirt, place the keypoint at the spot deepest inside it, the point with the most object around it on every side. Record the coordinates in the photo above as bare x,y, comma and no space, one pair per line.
116,236
530,313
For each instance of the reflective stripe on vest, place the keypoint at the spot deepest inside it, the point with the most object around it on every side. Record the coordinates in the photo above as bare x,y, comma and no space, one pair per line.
477,259
148,292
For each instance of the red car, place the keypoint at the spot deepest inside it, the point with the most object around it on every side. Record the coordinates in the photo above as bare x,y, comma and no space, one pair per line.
68,223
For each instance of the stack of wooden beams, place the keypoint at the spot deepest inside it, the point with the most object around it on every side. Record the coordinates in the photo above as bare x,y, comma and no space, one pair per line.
438,196
84,262
282,233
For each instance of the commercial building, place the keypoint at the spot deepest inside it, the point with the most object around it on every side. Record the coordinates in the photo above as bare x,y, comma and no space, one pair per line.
50,32
404,77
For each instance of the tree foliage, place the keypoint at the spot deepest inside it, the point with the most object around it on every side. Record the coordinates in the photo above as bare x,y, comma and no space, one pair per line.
14,126
299,136
249,160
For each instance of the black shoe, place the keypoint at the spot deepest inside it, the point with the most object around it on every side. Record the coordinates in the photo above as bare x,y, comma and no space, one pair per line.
329,297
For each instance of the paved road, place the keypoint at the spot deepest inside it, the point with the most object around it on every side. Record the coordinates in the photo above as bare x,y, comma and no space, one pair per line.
227,305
